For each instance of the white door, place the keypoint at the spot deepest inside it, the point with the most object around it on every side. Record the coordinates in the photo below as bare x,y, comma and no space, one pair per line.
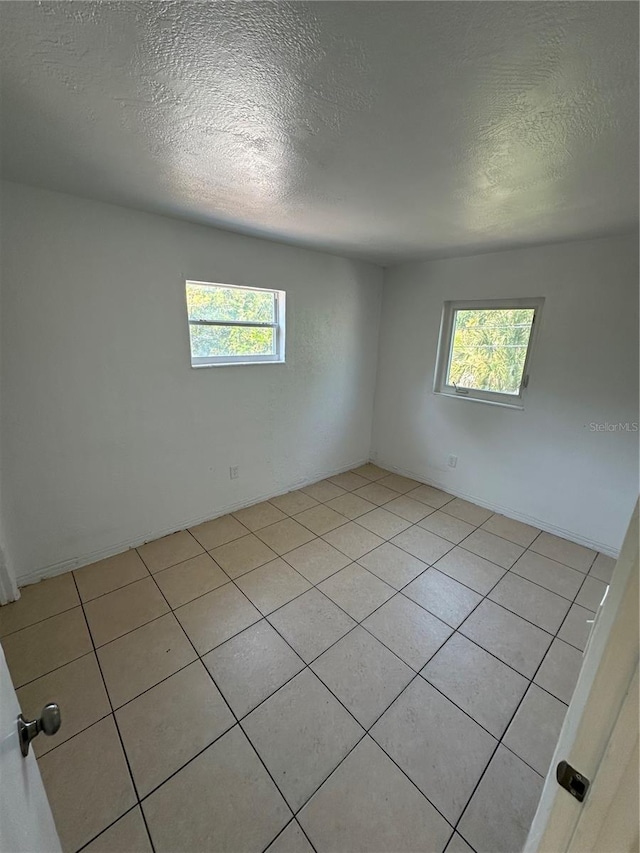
26,823
599,737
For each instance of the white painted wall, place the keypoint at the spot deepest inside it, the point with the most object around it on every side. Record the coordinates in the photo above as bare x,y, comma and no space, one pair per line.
544,464
109,437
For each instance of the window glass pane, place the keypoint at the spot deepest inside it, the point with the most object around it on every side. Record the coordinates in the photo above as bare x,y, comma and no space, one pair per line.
206,302
489,348
209,341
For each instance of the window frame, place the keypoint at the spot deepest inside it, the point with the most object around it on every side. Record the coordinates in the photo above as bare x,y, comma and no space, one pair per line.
227,360
445,349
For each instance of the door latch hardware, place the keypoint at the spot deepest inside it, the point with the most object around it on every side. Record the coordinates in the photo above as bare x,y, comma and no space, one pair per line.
572,781
48,722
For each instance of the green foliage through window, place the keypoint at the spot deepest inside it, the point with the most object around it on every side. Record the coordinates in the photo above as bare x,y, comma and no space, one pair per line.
489,348
215,304
207,341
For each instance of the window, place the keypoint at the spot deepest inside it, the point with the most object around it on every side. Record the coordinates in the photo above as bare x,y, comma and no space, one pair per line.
234,325
484,351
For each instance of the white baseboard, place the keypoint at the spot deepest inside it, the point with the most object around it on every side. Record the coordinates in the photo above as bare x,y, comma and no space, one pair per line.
571,535
118,547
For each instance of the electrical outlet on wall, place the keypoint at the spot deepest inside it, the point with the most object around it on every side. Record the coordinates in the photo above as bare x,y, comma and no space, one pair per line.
234,472
452,461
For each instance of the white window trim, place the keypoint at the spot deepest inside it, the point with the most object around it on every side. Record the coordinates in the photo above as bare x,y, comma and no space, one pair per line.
278,326
445,343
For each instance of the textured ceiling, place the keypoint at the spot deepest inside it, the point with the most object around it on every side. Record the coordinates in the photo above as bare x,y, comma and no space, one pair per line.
385,130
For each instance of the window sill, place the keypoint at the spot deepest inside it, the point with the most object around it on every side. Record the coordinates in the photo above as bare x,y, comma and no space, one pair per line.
237,363
519,406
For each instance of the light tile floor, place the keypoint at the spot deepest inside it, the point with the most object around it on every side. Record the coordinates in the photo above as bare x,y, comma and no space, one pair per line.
367,664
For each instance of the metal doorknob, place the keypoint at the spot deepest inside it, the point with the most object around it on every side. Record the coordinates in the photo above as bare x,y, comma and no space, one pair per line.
48,722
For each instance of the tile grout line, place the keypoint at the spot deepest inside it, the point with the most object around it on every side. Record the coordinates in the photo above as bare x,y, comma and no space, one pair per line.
240,719
224,699
483,597
355,562
508,726
427,565
416,673
441,508
231,711
283,557
457,630
499,740
401,770
293,821
113,823
233,714
117,728
118,708
238,722
390,541
320,536
233,636
325,503
480,526
308,665
3,637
